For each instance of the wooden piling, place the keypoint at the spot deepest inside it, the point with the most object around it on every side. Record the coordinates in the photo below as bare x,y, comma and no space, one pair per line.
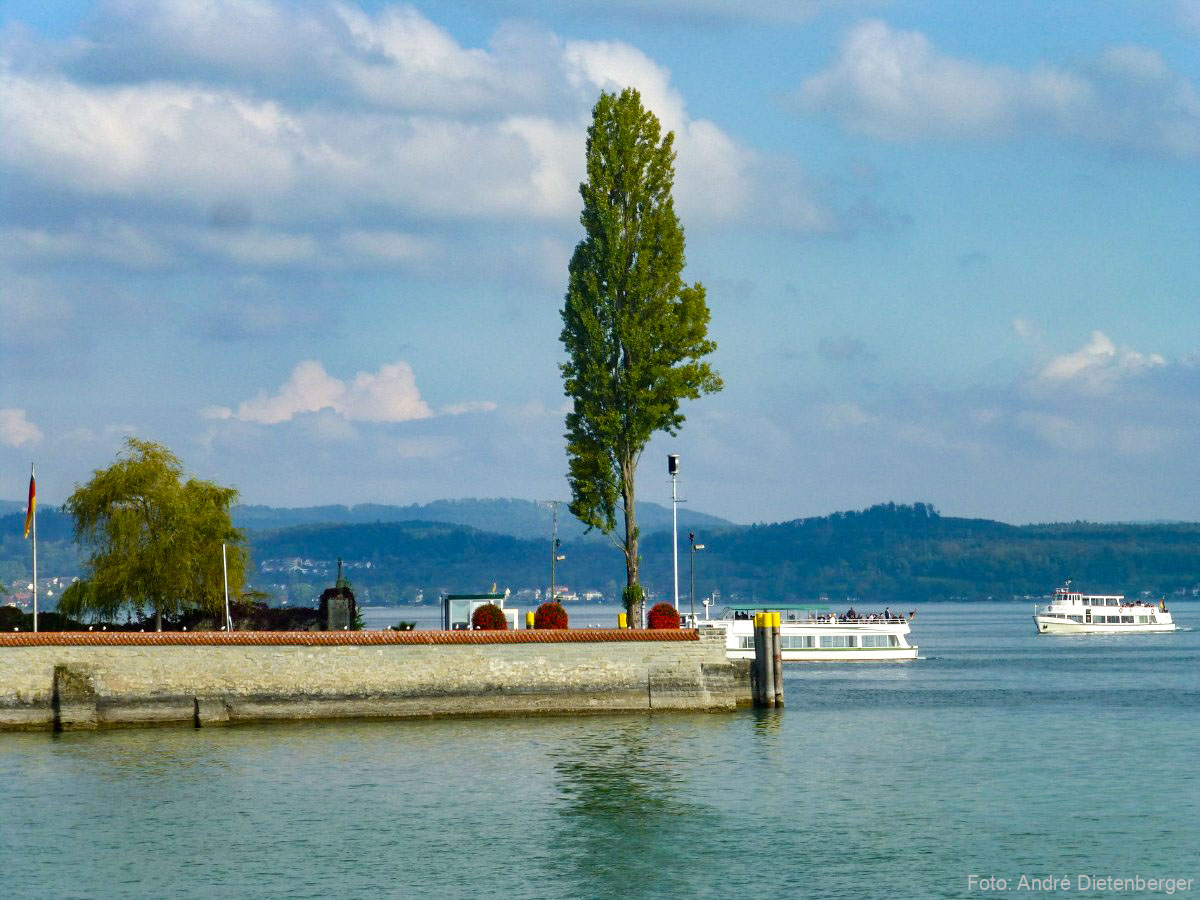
756,666
764,659
777,659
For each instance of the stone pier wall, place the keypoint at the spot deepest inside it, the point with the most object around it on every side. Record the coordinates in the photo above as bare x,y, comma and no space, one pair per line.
95,680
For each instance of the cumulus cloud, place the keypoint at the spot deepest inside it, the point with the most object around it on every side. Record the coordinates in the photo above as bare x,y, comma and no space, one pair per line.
1098,365
15,428
329,111
845,415
389,395
895,85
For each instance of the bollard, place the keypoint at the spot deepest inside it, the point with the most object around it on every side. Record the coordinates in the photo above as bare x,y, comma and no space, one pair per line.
622,620
769,659
528,620
777,657
756,667
763,661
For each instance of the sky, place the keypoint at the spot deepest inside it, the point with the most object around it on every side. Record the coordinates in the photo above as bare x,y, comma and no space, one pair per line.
319,249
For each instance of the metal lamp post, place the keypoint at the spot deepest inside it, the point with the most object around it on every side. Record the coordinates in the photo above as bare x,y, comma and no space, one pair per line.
555,556
692,574
673,468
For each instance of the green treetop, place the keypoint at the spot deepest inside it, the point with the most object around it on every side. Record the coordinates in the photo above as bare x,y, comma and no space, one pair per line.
634,332
155,540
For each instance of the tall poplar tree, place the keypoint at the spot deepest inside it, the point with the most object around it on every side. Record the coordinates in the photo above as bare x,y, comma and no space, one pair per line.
634,332
155,539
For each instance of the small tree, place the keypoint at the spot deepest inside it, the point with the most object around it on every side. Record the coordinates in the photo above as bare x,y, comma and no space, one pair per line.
634,332
550,615
489,617
663,615
155,539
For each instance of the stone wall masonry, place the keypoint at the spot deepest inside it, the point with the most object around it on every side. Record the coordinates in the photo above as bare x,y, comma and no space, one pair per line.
74,680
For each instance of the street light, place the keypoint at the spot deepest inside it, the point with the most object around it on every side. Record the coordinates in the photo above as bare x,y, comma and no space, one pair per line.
692,589
673,468
555,543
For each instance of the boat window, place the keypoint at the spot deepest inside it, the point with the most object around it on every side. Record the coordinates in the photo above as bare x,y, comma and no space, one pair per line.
880,640
1087,601
833,641
747,641
1075,618
1112,601
1128,619
1143,620
797,642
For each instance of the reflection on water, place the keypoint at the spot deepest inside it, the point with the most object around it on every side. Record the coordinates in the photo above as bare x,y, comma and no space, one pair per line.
622,807
993,756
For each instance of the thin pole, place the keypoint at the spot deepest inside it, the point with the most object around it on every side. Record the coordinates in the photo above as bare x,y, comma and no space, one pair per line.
675,537
553,547
225,573
692,576
33,502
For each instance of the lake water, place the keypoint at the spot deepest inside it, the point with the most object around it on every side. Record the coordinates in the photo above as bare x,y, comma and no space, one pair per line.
1000,753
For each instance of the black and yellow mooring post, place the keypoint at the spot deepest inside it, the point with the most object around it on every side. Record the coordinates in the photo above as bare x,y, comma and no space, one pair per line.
757,668
764,661
777,659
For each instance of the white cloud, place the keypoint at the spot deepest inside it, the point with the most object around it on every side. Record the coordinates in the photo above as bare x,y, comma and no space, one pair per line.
1025,329
895,85
104,240
1060,431
473,406
386,246
429,127
1098,365
16,430
843,416
389,395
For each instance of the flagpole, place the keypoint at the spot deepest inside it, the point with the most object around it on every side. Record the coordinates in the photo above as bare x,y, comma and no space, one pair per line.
225,573
33,511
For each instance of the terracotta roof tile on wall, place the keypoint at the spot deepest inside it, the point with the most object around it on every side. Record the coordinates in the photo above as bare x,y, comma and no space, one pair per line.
334,638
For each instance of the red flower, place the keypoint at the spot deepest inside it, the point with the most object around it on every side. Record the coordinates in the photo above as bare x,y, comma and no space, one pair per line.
663,615
489,617
550,615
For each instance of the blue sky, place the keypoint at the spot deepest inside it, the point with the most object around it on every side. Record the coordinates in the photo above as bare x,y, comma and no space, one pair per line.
319,249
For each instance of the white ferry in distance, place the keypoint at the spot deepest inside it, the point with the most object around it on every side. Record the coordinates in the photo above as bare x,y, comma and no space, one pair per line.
1072,612
813,633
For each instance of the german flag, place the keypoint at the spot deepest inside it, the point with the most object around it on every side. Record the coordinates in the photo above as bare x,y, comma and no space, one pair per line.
32,504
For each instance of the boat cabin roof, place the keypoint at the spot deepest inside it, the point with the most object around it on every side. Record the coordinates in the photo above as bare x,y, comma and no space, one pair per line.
775,607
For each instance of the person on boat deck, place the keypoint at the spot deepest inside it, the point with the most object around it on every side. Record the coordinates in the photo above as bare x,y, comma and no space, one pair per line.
887,613
851,614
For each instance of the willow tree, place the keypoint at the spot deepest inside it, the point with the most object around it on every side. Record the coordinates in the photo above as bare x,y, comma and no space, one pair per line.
634,332
155,540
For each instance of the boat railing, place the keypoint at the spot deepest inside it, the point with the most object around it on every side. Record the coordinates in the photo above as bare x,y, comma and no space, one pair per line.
827,620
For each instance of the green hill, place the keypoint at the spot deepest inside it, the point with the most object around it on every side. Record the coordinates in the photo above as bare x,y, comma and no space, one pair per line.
889,554
518,518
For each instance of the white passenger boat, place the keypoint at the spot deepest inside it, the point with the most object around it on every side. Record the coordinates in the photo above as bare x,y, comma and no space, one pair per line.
813,633
1072,612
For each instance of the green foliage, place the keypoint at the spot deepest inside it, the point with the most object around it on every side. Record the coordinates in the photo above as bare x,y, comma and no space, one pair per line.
632,598
154,540
663,615
634,332
489,617
550,615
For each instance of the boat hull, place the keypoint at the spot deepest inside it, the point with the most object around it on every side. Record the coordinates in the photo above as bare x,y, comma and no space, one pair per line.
827,641
1052,625
847,654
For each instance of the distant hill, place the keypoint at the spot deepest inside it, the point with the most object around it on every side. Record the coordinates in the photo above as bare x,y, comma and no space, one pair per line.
517,518
887,554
